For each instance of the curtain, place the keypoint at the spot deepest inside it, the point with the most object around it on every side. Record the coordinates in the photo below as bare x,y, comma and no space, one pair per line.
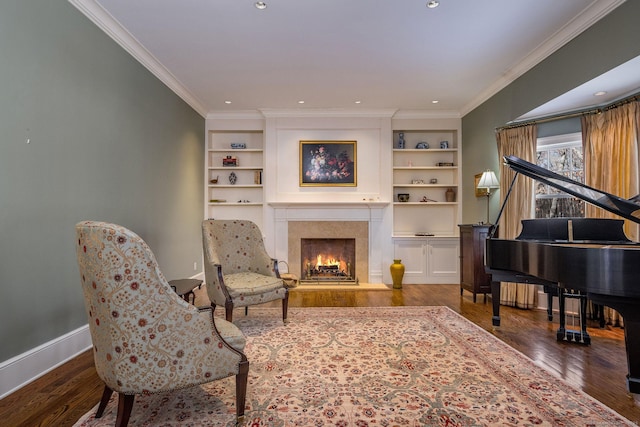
520,142
610,144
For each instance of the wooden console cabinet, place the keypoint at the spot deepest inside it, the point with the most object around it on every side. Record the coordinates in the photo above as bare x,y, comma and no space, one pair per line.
472,247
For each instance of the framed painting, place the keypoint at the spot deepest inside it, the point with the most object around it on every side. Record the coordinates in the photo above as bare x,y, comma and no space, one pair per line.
328,164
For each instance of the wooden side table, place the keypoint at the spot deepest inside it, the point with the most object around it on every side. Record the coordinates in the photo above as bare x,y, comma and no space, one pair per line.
472,247
184,288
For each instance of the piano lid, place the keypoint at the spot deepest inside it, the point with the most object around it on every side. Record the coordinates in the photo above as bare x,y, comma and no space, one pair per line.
629,209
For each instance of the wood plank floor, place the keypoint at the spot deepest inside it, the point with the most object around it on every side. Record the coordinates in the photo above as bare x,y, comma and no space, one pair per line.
61,397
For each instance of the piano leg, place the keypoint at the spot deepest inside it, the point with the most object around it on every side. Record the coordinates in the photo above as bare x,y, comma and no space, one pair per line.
561,334
628,308
495,302
598,314
631,333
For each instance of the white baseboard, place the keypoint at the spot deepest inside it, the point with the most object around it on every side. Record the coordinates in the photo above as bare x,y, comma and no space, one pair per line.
27,367
31,365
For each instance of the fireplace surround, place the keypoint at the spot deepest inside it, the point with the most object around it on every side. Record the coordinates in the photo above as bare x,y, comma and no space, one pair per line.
329,230
328,261
363,221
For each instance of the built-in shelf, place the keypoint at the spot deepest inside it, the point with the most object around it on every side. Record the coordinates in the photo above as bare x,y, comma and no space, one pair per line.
243,199
425,173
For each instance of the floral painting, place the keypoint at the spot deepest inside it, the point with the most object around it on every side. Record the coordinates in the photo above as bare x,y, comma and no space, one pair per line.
328,163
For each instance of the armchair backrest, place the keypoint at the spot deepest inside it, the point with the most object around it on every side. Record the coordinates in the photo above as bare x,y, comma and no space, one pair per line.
145,337
237,245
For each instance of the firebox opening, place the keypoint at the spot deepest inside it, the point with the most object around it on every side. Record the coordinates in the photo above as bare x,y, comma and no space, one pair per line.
328,260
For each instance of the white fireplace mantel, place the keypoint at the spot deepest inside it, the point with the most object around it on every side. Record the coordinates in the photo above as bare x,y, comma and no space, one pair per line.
329,211
313,205
370,211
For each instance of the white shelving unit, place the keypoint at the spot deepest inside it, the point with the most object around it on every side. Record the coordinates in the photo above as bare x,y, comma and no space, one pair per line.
425,227
426,175
243,199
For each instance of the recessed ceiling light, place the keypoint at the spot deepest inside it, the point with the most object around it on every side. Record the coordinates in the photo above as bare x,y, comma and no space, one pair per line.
358,102
600,93
300,102
227,102
260,5
435,101
432,4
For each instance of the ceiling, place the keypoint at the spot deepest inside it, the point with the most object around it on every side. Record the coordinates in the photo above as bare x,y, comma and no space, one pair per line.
383,54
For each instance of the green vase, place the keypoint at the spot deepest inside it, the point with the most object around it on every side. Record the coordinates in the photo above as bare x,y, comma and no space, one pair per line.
397,271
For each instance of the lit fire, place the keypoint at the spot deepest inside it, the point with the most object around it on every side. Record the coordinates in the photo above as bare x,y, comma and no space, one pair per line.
328,263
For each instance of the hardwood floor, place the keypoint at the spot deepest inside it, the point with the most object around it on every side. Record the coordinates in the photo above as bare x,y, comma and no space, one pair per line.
61,397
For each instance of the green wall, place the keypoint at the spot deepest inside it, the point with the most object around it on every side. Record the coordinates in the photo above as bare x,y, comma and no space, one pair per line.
610,42
107,141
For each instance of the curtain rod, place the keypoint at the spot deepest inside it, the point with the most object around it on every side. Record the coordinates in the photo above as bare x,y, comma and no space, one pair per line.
571,114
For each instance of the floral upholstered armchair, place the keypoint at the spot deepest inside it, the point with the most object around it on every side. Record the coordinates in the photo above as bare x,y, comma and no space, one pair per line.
238,271
146,339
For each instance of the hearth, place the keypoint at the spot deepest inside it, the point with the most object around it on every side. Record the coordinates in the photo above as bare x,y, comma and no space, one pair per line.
328,260
330,228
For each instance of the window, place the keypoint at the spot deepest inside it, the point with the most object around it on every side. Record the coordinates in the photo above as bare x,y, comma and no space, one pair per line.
561,154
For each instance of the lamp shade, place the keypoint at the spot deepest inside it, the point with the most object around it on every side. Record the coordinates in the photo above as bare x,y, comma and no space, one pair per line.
488,180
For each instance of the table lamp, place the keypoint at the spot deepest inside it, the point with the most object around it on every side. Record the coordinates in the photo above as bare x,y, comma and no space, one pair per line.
488,181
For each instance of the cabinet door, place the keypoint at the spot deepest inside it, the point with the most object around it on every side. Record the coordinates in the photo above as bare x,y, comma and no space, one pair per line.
443,261
413,256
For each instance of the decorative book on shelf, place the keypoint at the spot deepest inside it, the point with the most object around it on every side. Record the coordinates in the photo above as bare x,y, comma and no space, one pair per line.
230,161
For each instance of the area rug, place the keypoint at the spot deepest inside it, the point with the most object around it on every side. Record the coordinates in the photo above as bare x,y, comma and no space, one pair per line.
391,366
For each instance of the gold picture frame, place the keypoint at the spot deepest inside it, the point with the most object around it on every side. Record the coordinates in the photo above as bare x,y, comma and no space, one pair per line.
480,192
328,164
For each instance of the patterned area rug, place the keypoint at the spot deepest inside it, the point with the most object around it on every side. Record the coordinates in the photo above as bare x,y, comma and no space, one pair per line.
391,366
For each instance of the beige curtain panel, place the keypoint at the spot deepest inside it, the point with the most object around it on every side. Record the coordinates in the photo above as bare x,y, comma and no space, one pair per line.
610,143
520,142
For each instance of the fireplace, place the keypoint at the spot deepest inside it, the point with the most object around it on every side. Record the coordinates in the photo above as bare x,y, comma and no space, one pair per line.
356,232
328,260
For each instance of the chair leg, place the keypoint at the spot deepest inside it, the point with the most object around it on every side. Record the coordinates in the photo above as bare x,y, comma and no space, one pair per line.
228,311
285,307
125,404
106,395
241,390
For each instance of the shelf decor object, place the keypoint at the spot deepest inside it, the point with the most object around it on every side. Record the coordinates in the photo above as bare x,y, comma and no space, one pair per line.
488,181
401,140
450,195
397,272
328,164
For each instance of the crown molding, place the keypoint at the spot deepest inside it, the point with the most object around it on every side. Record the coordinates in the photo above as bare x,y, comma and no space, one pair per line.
107,23
427,114
375,113
594,12
235,114
327,112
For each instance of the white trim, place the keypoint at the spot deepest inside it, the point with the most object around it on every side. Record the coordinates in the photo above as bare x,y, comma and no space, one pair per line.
596,11
427,114
24,368
327,112
107,23
556,140
31,365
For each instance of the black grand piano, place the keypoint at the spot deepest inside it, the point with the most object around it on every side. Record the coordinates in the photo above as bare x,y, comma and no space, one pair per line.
588,255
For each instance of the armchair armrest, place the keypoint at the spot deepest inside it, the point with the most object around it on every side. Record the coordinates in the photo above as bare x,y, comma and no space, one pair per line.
275,267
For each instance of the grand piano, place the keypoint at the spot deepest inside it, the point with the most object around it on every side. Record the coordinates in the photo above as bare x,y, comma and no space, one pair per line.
587,255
